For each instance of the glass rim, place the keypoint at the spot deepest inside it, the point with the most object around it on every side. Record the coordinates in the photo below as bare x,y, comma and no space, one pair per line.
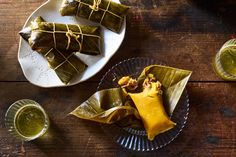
219,70
15,131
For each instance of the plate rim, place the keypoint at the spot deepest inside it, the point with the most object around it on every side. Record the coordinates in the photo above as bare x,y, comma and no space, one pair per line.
70,84
185,102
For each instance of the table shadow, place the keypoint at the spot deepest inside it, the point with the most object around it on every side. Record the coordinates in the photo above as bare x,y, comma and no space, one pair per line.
53,139
225,9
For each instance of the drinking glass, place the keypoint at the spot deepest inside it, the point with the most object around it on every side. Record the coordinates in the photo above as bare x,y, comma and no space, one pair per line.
26,120
224,62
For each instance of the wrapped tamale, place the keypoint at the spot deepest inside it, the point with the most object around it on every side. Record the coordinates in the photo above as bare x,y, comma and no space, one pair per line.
106,12
65,63
69,37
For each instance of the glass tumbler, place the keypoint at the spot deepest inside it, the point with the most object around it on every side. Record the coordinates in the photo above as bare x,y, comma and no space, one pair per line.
224,62
26,120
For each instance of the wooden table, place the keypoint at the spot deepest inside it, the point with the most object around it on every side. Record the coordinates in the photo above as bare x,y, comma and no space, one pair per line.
183,33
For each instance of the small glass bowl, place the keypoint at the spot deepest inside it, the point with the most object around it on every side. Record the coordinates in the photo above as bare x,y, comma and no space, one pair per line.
219,70
136,139
12,113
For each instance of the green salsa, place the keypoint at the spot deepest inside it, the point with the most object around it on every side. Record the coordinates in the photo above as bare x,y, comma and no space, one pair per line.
228,61
30,121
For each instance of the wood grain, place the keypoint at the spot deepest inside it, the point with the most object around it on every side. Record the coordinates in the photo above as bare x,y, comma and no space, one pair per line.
181,33
210,130
12,18
184,34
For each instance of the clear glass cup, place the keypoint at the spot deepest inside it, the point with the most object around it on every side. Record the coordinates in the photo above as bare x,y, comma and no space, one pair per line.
224,63
26,120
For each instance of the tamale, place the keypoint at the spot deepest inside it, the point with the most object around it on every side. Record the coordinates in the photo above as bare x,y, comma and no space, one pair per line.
150,107
65,63
173,82
152,97
106,12
69,37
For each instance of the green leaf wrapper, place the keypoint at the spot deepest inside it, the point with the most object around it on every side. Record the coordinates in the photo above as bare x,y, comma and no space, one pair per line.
173,81
108,13
107,106
69,37
71,66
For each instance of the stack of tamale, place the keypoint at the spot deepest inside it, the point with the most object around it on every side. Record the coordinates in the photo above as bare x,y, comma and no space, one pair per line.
105,12
58,43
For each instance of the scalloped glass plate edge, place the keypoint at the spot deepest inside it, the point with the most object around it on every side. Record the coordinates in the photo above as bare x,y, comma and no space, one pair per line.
133,139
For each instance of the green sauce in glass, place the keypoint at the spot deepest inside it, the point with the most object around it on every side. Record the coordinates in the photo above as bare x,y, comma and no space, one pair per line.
30,121
225,61
228,60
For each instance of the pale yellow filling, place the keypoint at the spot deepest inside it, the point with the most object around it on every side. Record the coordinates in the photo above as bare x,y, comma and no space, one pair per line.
150,107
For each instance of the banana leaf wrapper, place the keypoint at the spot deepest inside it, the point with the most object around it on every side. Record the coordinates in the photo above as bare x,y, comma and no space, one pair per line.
69,37
105,106
173,81
109,14
65,63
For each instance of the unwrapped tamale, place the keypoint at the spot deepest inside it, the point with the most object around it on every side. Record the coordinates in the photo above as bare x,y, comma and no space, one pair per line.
106,12
70,37
65,63
152,97
149,103
150,107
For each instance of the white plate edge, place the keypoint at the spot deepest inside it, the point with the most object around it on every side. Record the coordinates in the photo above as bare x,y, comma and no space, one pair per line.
63,85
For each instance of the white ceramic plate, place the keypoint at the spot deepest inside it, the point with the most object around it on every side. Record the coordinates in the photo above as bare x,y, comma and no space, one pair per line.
35,67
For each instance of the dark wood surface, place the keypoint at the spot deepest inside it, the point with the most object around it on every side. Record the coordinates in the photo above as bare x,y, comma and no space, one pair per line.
182,33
